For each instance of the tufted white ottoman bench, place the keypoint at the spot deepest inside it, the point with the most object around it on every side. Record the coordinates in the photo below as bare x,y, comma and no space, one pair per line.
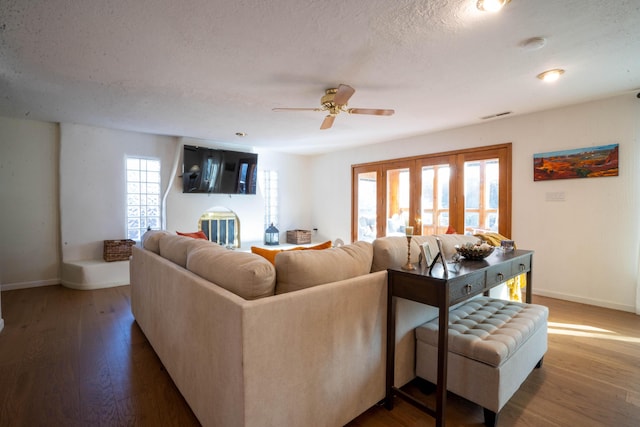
493,347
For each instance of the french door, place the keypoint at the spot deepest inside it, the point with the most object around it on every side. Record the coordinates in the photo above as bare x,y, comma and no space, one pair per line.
436,189
467,191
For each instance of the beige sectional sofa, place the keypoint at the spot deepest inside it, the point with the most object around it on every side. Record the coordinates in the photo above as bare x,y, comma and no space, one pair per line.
300,343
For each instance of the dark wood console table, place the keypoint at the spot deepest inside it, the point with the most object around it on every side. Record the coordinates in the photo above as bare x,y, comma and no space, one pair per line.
465,279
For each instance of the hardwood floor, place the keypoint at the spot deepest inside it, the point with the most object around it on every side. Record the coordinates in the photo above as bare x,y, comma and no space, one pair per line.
77,358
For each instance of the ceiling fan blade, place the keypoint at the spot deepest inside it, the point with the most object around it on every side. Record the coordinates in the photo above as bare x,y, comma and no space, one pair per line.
343,94
328,122
371,111
296,109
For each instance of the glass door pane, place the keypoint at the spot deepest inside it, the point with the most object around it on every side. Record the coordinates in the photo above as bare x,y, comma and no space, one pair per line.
367,190
398,200
467,190
481,195
434,200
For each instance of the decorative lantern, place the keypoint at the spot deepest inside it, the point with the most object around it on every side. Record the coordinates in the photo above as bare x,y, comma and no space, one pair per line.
272,235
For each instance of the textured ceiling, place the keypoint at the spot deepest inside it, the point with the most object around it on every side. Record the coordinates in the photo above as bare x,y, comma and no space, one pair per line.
208,69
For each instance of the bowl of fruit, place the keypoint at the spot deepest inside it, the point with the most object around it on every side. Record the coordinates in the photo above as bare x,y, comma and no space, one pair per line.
475,251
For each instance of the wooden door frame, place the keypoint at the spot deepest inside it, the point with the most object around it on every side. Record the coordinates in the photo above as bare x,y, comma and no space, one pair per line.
456,186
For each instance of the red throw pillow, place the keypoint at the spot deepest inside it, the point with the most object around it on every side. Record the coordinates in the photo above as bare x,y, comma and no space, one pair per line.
196,235
451,230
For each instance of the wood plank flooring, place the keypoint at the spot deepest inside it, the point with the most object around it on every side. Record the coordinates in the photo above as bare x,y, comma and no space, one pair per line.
77,358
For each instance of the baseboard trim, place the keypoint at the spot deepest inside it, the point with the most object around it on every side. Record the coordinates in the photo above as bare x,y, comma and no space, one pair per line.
583,300
25,285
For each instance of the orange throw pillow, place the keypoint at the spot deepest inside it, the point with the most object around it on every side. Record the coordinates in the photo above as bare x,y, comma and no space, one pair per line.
270,254
319,246
451,230
196,235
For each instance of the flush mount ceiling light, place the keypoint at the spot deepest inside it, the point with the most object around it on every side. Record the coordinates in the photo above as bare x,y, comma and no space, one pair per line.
533,43
491,5
551,75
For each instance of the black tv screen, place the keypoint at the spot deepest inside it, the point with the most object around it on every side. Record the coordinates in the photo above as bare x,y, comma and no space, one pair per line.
210,170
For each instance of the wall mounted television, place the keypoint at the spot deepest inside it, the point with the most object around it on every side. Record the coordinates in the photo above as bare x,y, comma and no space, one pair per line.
211,170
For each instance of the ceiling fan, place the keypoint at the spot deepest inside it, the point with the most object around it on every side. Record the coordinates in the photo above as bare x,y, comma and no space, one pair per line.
335,101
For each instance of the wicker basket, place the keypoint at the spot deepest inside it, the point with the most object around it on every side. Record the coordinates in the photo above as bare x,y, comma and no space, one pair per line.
299,237
117,250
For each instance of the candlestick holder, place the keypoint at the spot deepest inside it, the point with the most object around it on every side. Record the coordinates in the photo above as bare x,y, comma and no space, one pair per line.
408,265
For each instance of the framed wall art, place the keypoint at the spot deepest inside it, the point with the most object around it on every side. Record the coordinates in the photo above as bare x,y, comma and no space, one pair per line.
590,162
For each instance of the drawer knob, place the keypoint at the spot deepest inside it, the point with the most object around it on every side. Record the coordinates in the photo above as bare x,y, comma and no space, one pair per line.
500,277
523,267
467,289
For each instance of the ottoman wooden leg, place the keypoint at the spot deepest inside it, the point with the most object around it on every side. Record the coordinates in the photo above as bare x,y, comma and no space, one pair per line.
490,418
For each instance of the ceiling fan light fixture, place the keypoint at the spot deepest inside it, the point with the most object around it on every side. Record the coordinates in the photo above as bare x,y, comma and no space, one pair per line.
334,102
550,75
491,5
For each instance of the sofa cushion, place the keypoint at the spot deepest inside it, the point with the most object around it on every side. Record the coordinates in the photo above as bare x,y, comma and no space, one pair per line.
245,274
175,248
303,269
270,254
391,251
151,240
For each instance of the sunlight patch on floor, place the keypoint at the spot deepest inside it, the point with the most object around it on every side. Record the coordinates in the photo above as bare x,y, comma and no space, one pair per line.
578,327
588,332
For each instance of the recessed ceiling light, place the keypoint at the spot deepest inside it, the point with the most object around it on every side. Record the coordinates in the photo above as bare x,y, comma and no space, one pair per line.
551,75
491,5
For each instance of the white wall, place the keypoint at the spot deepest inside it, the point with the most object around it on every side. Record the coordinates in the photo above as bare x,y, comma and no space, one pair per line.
93,187
29,216
184,210
586,247
62,193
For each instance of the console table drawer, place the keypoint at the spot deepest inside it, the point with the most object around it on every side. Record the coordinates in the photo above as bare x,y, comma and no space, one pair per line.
469,285
498,274
520,265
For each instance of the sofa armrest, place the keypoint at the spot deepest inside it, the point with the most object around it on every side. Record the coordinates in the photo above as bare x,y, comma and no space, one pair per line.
195,328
